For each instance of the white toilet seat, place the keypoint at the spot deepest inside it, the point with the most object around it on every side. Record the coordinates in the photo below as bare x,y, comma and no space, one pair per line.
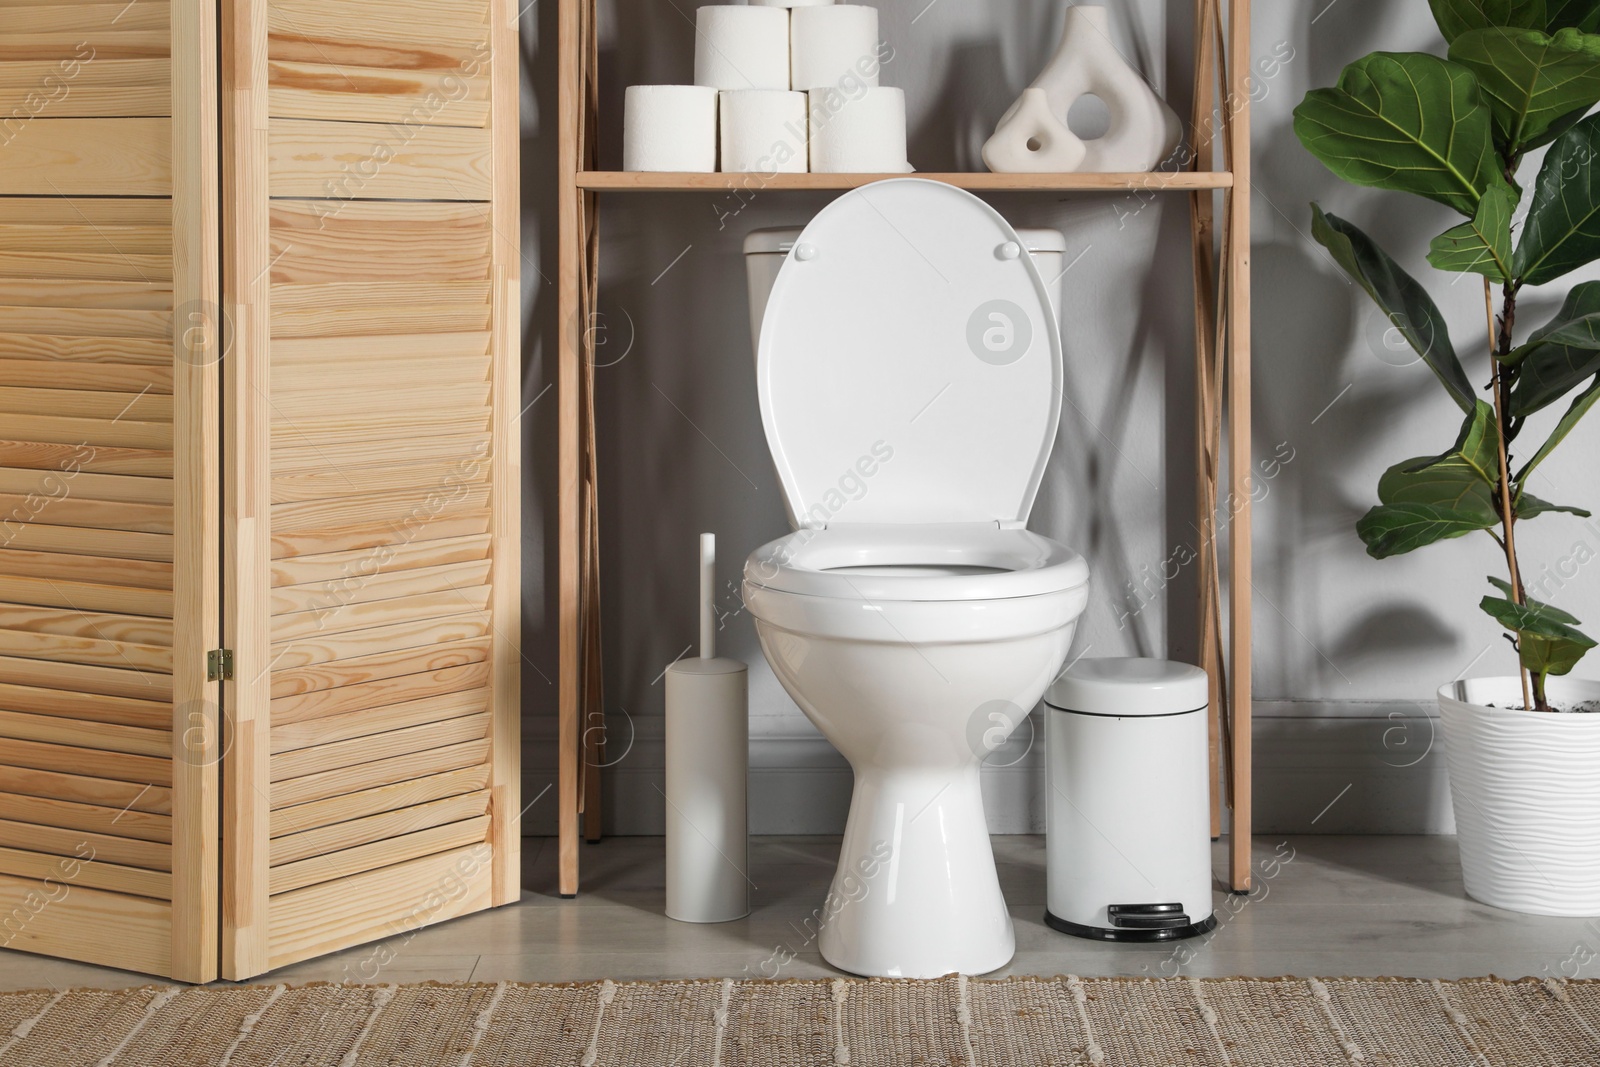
917,563
909,367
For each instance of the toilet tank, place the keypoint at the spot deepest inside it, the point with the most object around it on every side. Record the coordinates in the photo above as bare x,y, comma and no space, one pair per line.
765,251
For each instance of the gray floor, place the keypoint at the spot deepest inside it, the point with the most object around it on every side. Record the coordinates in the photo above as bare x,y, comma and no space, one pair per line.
1326,906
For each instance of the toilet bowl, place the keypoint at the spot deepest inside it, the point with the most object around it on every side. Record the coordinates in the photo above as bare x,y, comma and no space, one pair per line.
909,367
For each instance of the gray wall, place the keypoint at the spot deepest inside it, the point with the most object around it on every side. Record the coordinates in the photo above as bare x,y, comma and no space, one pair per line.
1349,650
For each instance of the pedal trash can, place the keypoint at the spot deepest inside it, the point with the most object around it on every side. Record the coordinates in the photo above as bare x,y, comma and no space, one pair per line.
1128,831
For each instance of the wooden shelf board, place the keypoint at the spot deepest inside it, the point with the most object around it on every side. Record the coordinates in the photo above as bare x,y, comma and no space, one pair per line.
655,182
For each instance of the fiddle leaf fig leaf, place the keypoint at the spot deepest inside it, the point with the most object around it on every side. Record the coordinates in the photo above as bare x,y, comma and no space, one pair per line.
1531,507
1477,448
1563,228
1406,121
1560,354
1577,323
1401,297
1530,79
1482,246
1557,128
1547,645
1549,373
1456,17
1438,497
1569,422
1577,14
1395,529
1452,486
1547,610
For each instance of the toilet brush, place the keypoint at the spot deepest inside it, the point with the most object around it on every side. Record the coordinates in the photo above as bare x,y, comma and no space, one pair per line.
708,754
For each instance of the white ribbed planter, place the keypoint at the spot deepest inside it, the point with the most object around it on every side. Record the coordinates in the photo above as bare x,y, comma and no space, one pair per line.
1526,791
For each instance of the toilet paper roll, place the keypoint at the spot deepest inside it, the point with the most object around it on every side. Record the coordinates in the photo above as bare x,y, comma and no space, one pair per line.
669,128
859,133
742,48
789,3
834,46
764,131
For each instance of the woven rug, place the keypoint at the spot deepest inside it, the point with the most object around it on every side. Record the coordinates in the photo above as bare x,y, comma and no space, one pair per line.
953,1022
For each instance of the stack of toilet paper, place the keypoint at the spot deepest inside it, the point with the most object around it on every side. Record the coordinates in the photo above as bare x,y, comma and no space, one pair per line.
781,87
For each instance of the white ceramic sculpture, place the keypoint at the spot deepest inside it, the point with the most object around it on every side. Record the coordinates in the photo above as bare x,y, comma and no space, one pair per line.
1034,136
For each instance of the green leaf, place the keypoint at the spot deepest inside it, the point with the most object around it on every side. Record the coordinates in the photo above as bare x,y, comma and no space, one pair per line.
1407,304
1395,529
1482,246
1578,14
1557,128
1456,17
1563,228
1546,610
1549,373
1569,422
1405,121
1476,450
1531,507
1560,354
1577,323
1547,646
1437,498
1531,80
1477,447
1452,486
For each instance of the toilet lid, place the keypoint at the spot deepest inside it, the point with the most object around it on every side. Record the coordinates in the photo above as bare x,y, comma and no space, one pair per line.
910,362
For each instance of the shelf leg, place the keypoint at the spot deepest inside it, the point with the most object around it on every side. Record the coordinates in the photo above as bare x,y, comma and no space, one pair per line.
1202,221
1240,443
569,458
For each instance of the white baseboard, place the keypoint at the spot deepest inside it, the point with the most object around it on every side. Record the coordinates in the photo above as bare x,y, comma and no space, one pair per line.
1320,767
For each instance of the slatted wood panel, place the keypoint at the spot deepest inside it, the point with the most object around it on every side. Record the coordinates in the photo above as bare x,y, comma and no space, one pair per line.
108,777
372,510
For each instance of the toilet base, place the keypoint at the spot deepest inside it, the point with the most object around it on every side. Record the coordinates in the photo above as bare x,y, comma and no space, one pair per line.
916,894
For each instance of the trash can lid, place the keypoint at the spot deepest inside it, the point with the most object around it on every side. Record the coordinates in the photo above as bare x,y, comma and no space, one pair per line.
1126,687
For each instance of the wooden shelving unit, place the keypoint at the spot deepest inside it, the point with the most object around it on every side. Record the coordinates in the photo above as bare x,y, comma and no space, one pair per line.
1220,135
612,181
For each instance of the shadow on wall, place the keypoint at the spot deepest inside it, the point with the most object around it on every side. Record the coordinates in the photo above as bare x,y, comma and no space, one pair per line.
537,426
1394,633
952,135
1333,379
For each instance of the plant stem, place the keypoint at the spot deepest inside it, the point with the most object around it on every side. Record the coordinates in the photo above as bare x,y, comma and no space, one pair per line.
1500,345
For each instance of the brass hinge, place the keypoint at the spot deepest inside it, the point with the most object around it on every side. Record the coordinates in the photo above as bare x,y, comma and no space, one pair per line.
219,665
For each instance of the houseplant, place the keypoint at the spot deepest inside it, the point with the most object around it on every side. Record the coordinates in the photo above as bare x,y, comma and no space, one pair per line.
1521,75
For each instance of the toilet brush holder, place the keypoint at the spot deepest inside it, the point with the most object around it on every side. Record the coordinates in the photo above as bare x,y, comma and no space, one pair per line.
708,756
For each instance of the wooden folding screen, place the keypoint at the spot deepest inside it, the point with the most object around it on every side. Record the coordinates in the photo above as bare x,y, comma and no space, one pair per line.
257,454
108,483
